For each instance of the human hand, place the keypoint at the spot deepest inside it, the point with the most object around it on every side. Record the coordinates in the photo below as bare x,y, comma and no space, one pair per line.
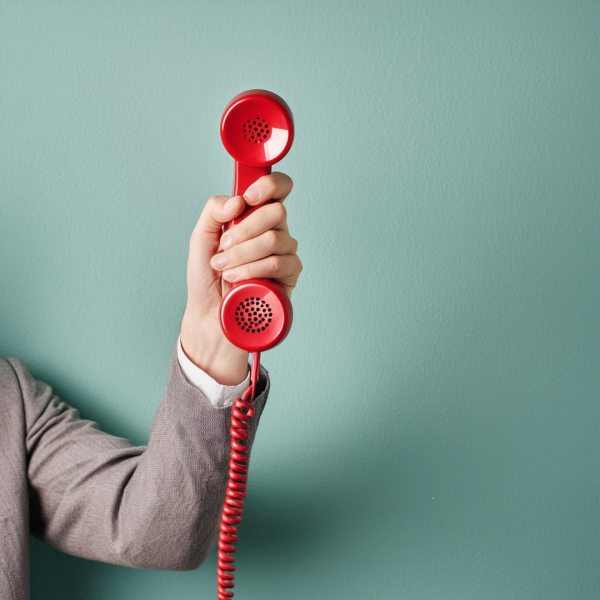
258,247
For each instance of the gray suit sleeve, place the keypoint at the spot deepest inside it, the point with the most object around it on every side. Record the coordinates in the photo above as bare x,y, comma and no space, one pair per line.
96,496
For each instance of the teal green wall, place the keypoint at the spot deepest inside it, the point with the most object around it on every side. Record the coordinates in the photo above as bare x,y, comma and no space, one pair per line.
432,432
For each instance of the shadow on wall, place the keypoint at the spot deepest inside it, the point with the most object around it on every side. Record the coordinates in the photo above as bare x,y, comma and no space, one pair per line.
282,530
56,575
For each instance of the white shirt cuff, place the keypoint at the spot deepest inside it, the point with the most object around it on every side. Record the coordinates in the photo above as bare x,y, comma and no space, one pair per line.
217,394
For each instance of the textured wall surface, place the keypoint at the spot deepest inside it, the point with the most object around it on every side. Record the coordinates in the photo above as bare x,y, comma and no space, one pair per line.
432,433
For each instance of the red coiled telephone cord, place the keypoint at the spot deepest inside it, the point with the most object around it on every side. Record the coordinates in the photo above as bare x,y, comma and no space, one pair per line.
241,411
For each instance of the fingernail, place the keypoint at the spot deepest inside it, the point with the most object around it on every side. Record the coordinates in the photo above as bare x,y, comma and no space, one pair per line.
229,203
226,241
219,261
229,275
252,194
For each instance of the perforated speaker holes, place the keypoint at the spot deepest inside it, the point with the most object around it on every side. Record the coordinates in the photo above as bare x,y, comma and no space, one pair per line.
256,130
253,315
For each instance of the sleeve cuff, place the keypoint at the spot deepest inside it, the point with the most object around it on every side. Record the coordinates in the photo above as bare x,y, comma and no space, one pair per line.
217,394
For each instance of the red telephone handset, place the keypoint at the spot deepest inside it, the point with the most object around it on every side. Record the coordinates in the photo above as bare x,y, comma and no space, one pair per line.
257,129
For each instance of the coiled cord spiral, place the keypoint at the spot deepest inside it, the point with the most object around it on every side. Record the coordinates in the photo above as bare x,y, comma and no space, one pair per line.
241,411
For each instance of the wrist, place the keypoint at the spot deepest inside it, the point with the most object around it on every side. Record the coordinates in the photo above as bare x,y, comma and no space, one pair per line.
205,345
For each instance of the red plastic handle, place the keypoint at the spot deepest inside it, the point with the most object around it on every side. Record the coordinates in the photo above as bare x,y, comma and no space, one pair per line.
244,177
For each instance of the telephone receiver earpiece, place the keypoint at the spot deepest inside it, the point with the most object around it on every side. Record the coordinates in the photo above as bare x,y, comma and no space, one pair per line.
257,129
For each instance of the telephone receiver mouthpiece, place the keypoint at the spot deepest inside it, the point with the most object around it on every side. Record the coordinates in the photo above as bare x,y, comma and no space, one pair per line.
257,129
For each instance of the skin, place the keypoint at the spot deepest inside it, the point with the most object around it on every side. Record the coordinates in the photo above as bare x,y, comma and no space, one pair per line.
260,246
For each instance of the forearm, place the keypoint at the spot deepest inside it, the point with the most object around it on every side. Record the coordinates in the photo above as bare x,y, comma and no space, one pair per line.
96,496
183,477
